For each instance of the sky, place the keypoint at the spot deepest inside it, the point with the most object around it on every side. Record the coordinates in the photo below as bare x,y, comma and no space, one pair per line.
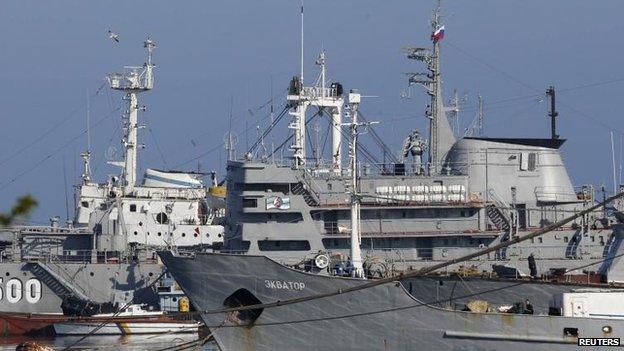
213,56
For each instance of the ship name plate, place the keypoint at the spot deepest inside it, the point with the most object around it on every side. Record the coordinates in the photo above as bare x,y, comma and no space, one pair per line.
283,285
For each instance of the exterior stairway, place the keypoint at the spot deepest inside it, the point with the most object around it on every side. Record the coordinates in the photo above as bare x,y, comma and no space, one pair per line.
497,217
300,189
54,281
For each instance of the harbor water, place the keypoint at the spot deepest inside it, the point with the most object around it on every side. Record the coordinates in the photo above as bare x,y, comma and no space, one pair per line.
112,342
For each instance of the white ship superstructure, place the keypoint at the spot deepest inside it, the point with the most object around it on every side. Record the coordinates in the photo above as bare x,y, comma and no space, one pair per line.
107,253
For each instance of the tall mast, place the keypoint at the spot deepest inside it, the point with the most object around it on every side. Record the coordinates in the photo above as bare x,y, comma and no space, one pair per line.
86,156
552,113
301,43
132,81
356,251
441,137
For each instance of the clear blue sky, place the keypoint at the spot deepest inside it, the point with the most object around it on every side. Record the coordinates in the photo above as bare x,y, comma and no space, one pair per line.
52,53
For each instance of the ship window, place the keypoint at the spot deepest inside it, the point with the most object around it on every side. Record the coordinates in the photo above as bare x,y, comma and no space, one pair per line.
85,204
593,239
132,207
248,202
162,218
532,161
283,245
565,239
540,240
602,242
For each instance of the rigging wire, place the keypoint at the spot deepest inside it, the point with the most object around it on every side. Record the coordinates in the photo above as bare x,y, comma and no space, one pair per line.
518,81
54,127
425,270
4,185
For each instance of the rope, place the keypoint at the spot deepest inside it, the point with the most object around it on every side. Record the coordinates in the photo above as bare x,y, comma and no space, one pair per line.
106,321
422,271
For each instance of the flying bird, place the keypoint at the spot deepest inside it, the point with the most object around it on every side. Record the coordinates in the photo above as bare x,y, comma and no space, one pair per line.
113,36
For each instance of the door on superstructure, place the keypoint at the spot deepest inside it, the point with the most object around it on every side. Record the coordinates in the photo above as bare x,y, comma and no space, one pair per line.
522,218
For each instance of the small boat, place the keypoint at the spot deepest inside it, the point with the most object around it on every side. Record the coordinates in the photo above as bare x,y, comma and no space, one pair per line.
132,320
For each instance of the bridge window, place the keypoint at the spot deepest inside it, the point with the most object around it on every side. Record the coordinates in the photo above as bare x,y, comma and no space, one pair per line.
283,245
132,207
249,202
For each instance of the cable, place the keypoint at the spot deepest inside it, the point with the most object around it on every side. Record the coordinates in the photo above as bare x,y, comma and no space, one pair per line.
47,132
425,270
108,320
37,164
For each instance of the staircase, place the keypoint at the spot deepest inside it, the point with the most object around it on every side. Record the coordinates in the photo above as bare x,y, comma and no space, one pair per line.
502,217
300,189
497,217
55,282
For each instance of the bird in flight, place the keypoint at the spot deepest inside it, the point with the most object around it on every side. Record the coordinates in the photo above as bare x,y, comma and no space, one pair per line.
113,36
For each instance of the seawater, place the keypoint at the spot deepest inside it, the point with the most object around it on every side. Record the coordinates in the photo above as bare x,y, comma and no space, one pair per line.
111,342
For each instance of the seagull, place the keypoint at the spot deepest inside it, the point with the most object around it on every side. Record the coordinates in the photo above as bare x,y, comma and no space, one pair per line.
113,36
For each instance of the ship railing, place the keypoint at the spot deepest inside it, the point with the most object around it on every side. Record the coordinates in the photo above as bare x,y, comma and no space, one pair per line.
318,92
541,253
559,194
77,256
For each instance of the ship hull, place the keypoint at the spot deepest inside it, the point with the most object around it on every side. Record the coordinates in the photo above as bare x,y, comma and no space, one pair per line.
39,288
124,328
383,317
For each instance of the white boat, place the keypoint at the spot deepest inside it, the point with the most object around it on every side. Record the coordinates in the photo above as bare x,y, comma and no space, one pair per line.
133,320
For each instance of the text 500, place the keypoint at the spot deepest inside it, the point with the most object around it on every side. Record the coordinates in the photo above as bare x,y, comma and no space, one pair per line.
15,290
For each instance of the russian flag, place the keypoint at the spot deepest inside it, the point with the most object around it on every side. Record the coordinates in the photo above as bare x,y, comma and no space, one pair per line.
438,34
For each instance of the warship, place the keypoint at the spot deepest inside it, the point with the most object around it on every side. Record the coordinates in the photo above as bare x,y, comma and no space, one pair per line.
106,254
431,201
321,257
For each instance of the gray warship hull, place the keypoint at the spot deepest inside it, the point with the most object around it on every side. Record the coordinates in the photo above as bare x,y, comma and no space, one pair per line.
383,317
39,287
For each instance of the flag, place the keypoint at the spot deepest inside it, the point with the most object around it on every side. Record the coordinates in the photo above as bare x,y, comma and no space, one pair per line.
438,34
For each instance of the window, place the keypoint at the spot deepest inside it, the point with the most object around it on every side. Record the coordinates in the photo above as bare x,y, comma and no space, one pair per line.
84,204
532,161
162,218
249,202
283,245
132,207
565,239
540,240
528,161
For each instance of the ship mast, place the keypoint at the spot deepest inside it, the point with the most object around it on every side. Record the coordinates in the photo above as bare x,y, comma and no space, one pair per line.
330,99
356,127
356,251
132,81
441,137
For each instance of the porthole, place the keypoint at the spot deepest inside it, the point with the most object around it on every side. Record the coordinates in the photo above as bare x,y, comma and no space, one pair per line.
159,233
183,234
150,274
91,274
140,224
195,235
7,274
162,218
135,232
